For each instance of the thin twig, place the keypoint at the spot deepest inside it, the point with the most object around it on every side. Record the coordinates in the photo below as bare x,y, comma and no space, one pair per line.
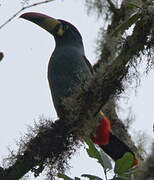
26,7
112,6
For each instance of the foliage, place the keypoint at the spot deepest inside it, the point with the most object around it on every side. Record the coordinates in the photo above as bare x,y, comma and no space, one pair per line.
127,24
52,145
122,169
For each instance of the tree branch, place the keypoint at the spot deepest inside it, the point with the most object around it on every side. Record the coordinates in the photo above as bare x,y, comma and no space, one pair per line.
112,6
78,119
108,47
22,9
108,44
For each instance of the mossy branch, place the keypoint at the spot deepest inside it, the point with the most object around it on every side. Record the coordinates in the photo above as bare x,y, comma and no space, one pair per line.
55,142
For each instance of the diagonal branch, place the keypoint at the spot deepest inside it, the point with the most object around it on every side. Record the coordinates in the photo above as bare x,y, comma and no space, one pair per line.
112,6
57,140
109,46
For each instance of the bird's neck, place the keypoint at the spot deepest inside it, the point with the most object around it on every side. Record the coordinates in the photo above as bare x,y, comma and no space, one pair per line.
70,46
69,41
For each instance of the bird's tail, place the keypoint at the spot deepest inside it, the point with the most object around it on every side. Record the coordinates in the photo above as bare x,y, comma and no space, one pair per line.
110,144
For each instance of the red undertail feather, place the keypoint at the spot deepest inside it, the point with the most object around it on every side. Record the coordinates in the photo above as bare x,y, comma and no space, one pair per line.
136,163
102,133
110,144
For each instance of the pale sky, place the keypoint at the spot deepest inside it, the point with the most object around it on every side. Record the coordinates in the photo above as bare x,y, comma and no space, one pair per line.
24,87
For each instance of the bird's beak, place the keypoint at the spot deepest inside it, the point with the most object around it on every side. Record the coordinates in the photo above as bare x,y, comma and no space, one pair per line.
48,23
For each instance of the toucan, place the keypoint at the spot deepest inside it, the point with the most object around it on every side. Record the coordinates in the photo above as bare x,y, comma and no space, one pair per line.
69,68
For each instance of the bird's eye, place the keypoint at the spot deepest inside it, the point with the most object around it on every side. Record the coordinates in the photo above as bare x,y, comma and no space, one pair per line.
65,27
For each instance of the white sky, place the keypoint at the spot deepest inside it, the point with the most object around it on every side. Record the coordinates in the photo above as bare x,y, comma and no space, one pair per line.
25,95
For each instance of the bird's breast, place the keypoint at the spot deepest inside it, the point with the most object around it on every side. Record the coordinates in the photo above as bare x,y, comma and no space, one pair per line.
67,70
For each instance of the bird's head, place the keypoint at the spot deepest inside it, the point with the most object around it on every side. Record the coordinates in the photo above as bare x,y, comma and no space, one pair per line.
62,31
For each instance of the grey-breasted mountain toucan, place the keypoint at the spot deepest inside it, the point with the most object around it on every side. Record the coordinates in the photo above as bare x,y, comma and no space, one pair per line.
68,67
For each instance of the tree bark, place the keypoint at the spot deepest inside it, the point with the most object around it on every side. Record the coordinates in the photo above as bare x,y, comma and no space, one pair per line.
54,143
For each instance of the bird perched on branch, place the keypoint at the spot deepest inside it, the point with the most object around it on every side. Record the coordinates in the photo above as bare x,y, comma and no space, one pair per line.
69,68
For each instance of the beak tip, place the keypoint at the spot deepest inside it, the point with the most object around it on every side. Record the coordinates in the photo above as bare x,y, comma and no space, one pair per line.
28,14
31,16
24,15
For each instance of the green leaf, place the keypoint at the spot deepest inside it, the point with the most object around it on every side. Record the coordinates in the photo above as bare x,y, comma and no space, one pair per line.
106,160
63,176
131,5
124,164
91,177
93,152
122,27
